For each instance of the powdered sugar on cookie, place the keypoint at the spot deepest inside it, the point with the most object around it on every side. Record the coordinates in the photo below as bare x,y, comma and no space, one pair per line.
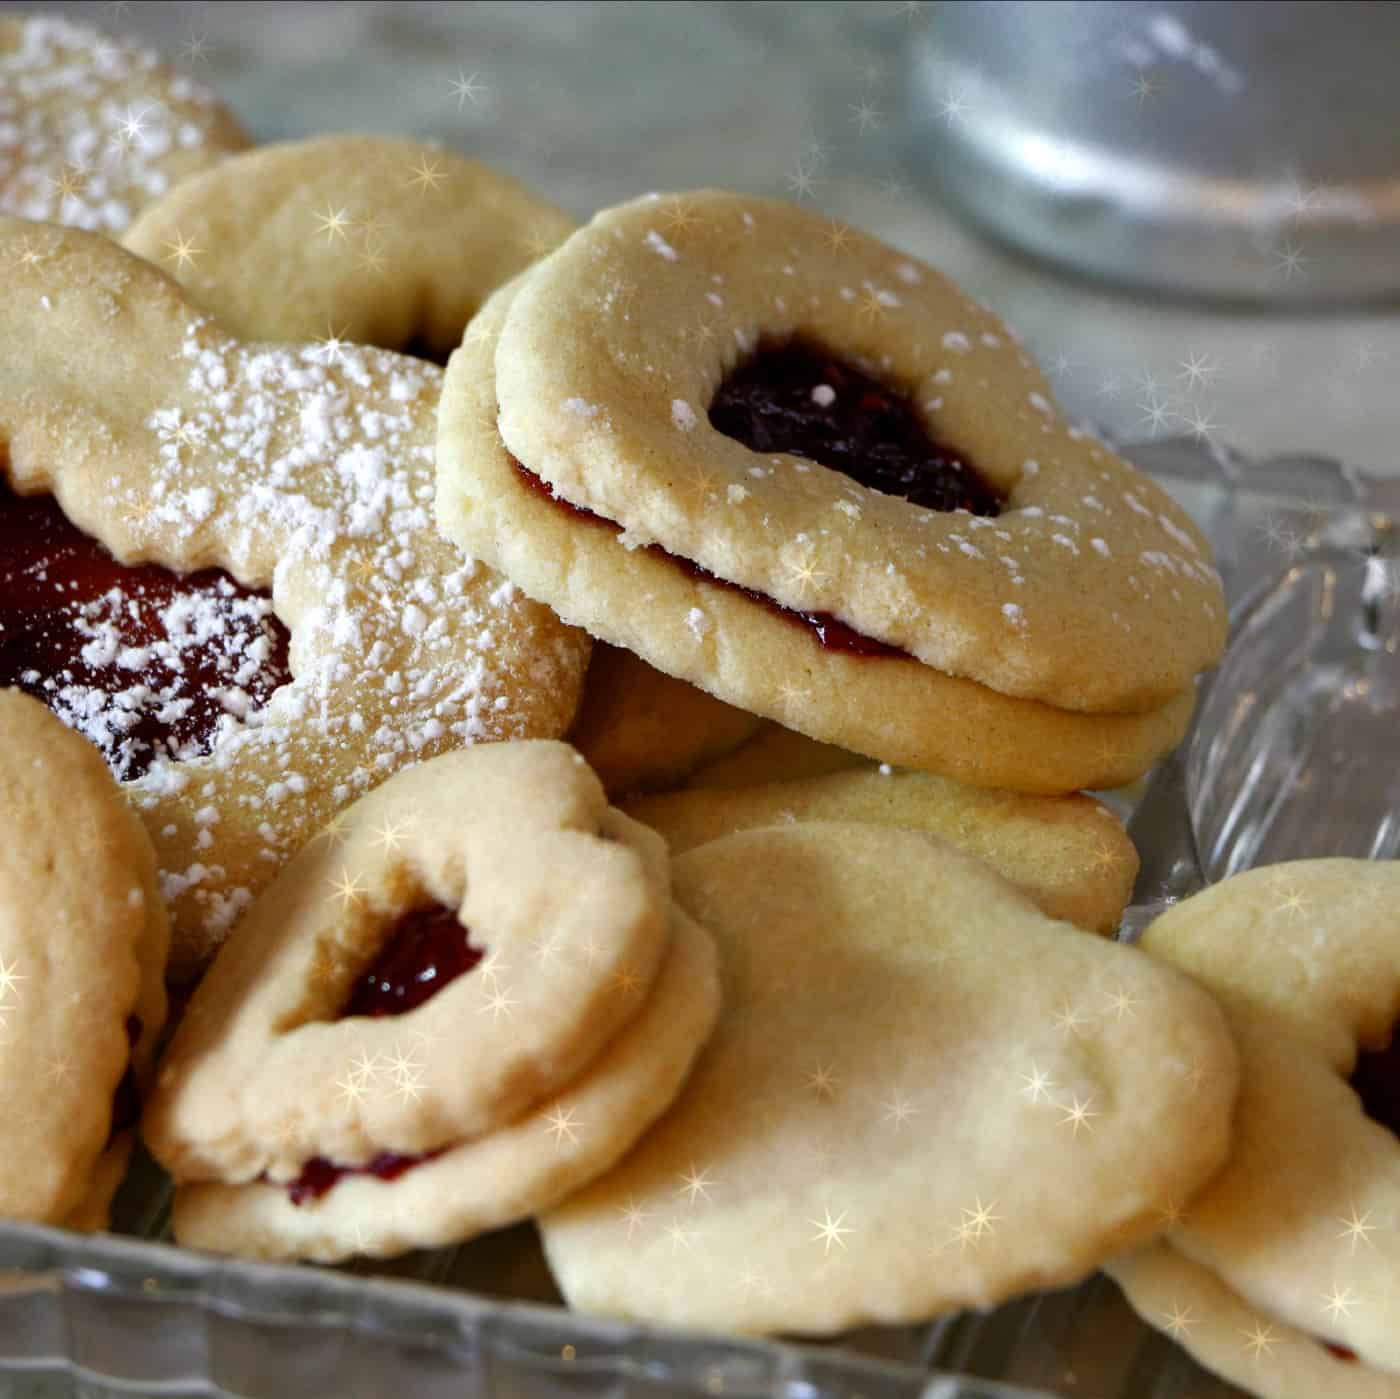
92,129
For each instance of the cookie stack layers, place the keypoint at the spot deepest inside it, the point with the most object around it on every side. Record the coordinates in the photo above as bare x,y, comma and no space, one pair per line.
464,1002
628,433
1283,1275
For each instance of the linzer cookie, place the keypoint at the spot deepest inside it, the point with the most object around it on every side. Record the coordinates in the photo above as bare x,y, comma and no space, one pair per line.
1070,855
1300,1233
397,244
82,951
469,1002
297,630
922,1095
790,659
93,128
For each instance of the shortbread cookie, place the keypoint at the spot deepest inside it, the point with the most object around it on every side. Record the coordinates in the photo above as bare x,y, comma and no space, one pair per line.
82,944
1304,1221
641,729
494,877
922,1095
681,363
1229,1337
397,244
307,475
890,707
495,1180
383,242
92,128
1069,855
776,754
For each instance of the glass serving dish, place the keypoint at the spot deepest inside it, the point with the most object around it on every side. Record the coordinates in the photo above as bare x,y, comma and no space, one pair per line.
1280,763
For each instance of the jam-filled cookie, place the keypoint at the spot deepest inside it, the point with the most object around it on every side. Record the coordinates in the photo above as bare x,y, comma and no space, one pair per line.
83,940
296,629
778,655
92,129
1069,855
469,1003
1302,1226
921,1095
411,241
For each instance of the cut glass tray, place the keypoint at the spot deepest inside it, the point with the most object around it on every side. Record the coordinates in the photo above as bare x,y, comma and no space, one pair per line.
1279,764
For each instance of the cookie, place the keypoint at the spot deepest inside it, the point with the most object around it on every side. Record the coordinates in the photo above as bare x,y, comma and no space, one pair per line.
1234,1340
1303,1223
960,521
82,945
383,242
374,1059
302,630
640,729
1069,855
397,244
922,1095
92,129
889,707
776,754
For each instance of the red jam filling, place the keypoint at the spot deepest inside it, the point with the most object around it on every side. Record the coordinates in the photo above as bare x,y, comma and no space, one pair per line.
319,1175
143,661
1376,1080
799,399
831,633
1341,1352
425,951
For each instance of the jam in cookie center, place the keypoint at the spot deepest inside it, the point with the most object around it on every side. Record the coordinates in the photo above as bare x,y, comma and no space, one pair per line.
319,1175
425,950
799,399
144,662
830,632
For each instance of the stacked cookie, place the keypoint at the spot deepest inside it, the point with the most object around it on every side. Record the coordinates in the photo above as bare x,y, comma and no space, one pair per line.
443,1016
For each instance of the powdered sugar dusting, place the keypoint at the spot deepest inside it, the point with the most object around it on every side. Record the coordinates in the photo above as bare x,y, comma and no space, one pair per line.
320,476
659,245
92,129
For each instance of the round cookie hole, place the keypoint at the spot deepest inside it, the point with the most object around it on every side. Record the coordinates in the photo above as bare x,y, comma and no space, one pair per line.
141,660
798,397
426,950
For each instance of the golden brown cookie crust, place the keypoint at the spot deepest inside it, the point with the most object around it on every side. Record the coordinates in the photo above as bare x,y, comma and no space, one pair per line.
1304,958
295,469
641,729
1069,855
382,242
1091,591
893,709
81,930
568,899
97,127
921,1096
